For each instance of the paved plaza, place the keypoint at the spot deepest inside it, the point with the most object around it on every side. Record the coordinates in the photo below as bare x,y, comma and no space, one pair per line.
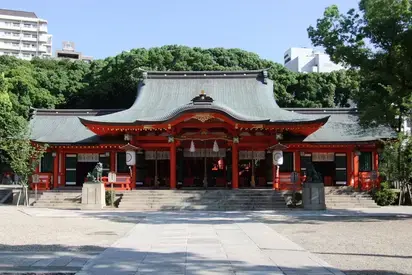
178,242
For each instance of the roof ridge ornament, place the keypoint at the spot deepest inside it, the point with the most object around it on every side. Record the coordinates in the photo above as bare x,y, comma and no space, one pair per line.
202,99
144,77
265,76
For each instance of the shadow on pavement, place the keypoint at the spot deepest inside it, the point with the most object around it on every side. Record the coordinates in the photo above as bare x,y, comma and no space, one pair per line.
129,261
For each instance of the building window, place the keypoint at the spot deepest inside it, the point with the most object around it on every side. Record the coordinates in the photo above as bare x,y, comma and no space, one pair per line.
46,163
27,35
26,45
27,25
287,60
16,34
16,25
71,164
121,163
365,162
287,165
340,165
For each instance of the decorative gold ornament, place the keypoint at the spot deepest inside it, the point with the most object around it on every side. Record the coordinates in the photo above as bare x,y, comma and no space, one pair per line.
203,117
257,126
147,127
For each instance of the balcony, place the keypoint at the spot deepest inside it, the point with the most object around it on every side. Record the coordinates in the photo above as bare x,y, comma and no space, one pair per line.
10,46
9,27
29,49
43,28
31,39
9,37
29,29
45,49
45,39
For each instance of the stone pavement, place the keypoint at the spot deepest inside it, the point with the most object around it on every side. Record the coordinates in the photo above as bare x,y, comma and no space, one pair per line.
204,243
12,261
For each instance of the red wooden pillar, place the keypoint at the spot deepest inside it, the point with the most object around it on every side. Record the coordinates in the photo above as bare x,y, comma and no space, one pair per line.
133,177
376,167
173,165
356,171
375,161
56,169
297,163
349,170
235,166
112,161
63,171
276,179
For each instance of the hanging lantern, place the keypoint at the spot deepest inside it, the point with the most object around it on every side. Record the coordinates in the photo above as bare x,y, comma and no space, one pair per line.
192,147
215,147
130,158
277,157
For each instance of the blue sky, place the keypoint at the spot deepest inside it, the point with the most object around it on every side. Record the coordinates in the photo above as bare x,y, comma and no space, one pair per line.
104,28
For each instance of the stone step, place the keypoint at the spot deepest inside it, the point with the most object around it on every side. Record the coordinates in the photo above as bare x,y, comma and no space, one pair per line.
348,199
197,199
151,200
59,201
58,205
348,206
201,194
57,195
348,196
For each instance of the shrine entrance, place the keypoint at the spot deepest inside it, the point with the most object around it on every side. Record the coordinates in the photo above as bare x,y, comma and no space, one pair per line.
202,167
197,171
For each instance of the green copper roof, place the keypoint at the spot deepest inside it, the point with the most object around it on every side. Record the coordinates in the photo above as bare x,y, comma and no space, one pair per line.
64,126
343,126
244,96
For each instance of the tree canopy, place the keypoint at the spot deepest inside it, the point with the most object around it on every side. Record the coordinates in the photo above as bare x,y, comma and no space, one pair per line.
376,40
112,82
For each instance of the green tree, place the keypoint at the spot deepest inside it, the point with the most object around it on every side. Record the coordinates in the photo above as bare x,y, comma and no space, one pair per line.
10,124
15,146
376,40
111,83
401,172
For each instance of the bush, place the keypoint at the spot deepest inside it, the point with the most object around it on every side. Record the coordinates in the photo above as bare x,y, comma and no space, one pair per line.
384,196
109,197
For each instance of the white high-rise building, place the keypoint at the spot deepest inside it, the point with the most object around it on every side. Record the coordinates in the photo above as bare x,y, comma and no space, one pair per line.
307,60
24,35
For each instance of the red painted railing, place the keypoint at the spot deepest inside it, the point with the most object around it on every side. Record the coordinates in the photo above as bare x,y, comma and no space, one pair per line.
366,182
122,183
44,183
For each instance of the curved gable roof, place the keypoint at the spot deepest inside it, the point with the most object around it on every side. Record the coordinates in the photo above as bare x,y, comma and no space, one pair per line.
245,96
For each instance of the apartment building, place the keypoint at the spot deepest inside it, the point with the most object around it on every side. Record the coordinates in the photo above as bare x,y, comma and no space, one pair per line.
307,60
24,35
68,51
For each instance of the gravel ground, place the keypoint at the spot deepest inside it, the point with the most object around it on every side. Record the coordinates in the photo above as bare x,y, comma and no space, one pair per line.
22,232
356,245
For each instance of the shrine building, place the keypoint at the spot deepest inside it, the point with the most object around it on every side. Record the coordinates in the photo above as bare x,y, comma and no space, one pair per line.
206,129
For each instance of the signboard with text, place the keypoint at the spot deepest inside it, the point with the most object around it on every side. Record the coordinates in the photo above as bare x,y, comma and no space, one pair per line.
321,157
87,157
